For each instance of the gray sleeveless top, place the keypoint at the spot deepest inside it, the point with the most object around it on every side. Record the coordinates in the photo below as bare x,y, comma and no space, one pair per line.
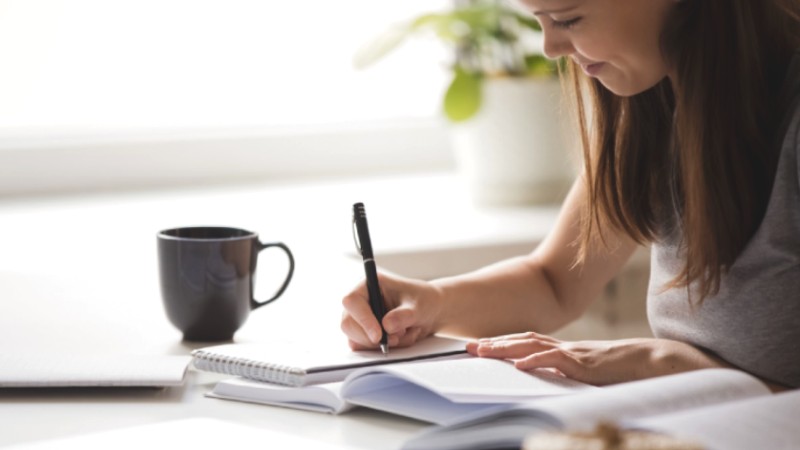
754,320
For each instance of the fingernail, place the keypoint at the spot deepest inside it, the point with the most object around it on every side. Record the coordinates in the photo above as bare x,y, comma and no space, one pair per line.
375,335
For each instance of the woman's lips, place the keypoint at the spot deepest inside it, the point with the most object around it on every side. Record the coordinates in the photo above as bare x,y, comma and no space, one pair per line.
592,69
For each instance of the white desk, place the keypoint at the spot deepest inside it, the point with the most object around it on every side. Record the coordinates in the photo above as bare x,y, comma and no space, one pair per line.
79,275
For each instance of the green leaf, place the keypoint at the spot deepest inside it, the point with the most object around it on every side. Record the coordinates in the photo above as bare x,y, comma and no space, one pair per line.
463,97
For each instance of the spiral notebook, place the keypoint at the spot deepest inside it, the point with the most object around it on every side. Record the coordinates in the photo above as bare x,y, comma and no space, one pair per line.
301,365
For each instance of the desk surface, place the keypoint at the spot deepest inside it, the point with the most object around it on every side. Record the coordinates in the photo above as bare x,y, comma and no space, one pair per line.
79,275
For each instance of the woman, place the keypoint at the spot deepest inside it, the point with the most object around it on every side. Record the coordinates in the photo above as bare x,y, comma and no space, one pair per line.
692,149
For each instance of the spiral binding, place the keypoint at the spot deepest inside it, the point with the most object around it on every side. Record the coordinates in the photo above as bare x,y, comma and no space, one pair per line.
247,368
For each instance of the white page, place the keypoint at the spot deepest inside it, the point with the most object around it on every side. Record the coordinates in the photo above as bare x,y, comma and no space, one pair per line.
324,397
444,391
388,393
59,370
769,422
471,380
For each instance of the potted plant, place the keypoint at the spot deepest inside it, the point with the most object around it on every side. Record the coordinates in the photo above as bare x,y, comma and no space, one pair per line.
504,100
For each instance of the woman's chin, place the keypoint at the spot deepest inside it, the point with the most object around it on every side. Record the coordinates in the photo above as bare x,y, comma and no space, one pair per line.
625,89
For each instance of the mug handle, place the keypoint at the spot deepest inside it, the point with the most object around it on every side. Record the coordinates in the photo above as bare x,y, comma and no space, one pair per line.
261,246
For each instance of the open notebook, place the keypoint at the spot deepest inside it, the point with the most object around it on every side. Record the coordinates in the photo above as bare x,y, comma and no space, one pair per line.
432,391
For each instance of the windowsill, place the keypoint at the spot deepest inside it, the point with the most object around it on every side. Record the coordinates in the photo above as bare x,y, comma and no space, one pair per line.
70,161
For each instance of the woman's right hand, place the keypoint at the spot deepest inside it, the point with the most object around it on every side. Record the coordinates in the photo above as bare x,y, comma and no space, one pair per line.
413,309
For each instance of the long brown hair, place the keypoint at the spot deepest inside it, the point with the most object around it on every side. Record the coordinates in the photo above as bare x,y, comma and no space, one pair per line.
700,149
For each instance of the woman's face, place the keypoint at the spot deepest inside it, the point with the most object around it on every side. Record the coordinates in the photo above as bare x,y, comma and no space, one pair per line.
615,41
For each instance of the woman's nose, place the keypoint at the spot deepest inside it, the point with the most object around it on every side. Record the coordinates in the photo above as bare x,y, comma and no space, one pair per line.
556,45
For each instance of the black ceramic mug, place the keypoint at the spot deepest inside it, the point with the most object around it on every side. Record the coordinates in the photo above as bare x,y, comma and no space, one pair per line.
207,279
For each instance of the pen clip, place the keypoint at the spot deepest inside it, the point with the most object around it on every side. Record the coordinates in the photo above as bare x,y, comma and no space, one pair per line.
355,236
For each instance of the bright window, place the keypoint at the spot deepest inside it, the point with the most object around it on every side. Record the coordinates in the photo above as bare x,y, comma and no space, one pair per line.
98,94
132,64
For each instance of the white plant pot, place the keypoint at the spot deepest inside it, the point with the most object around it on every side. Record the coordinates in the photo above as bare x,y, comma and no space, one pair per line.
518,148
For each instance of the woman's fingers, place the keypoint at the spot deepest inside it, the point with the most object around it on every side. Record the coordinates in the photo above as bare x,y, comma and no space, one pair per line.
556,358
410,312
593,362
509,348
362,327
521,336
530,354
398,320
355,333
358,322
411,336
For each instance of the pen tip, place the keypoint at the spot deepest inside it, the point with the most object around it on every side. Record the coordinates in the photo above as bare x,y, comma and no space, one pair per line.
384,349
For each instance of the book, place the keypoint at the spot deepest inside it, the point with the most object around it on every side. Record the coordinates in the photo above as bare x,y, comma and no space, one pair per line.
432,391
60,370
626,404
292,364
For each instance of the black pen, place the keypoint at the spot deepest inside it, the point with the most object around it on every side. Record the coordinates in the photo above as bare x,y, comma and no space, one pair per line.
364,246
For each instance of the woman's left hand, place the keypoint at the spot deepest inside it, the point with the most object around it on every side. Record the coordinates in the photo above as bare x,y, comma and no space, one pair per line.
596,362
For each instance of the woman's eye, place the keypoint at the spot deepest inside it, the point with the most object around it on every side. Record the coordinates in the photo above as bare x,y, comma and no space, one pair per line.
566,23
